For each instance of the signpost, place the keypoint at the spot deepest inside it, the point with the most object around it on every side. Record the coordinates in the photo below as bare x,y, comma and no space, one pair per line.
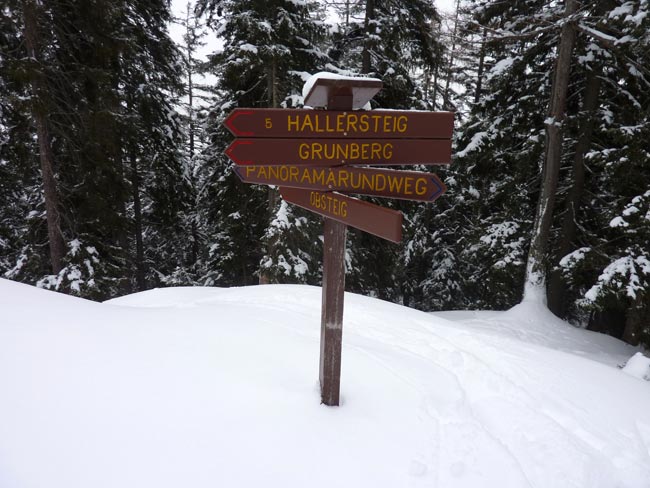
333,152
404,185
325,124
379,221
314,157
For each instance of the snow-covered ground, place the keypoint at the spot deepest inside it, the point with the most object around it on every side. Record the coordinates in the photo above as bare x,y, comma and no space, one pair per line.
207,387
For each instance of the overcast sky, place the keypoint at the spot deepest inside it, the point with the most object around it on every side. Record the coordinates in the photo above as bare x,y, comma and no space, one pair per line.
179,7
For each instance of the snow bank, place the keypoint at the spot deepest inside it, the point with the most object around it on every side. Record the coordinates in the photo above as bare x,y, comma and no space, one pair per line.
638,366
208,387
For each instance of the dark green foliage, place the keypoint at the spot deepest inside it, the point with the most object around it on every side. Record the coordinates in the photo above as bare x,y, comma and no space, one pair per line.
270,48
390,40
147,197
110,69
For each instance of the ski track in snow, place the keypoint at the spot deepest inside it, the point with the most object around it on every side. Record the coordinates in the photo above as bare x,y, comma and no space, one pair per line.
495,405
561,429
461,422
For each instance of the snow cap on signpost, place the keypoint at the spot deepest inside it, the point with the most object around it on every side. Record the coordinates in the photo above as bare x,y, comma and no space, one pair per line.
324,90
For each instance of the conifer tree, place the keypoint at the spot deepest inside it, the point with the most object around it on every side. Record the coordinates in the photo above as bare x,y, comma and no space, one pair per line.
599,171
270,48
100,89
604,266
395,42
478,245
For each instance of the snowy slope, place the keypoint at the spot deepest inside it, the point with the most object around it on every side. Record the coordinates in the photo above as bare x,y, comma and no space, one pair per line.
203,387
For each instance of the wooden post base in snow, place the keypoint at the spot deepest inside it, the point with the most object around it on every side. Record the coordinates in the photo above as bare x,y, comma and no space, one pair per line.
331,328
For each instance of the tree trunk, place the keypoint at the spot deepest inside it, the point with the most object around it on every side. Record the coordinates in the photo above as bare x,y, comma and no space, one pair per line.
189,51
140,272
369,30
190,110
557,289
534,287
452,58
637,318
53,217
272,193
481,68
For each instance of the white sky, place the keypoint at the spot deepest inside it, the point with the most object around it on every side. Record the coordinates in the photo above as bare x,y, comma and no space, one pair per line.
179,7
212,43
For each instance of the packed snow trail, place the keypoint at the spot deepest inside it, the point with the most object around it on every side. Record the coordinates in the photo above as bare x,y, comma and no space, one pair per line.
219,387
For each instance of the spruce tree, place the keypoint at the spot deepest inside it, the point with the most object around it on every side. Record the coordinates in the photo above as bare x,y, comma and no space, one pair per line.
100,95
395,42
270,48
604,269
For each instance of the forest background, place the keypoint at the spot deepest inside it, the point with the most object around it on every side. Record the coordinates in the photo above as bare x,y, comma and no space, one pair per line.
113,178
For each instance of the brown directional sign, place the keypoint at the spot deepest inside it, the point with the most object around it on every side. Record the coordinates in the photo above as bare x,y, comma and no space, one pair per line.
332,152
397,124
376,220
405,185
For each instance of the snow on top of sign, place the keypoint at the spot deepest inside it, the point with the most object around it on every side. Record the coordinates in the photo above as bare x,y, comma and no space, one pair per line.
326,75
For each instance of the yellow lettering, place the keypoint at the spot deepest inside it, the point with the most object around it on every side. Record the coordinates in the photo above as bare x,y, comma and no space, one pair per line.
317,121
388,151
316,150
366,181
366,149
267,123
293,173
340,118
343,178
335,206
352,122
307,123
420,186
356,185
376,150
303,151
291,124
402,122
395,184
343,152
306,175
408,186
364,125
331,178
377,120
327,123
354,151
331,154
319,176
380,186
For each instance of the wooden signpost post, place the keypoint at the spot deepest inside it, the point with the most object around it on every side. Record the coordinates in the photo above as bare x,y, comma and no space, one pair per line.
314,157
